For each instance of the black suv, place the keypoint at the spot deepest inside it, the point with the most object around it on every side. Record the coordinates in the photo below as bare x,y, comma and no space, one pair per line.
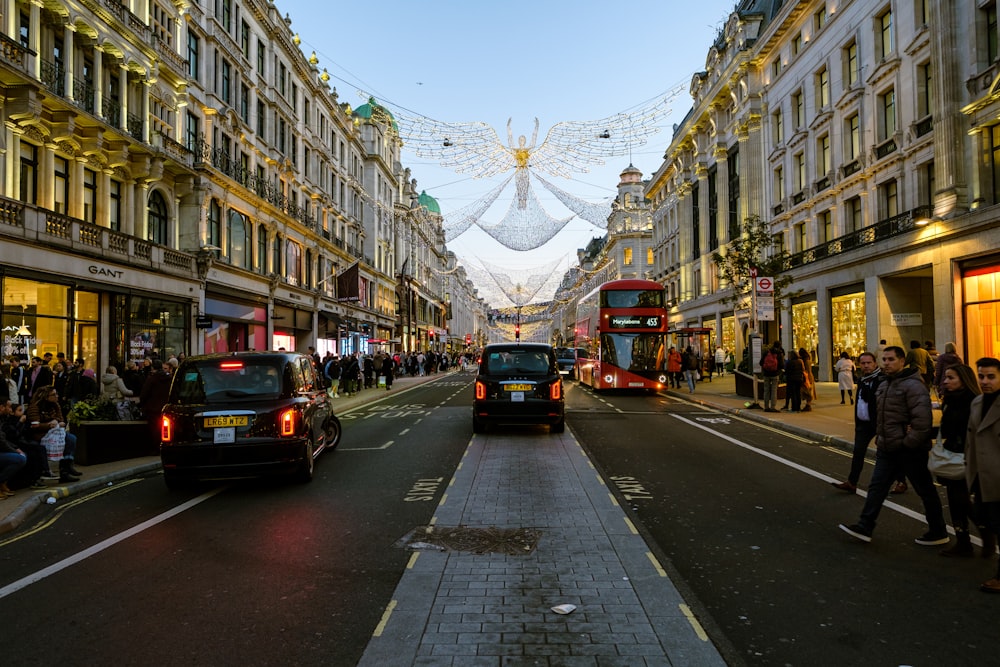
243,415
566,358
518,383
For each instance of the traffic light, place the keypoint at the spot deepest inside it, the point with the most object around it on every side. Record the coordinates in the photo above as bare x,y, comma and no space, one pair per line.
517,332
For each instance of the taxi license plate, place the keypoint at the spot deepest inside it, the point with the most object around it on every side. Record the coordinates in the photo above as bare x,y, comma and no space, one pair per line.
225,422
517,387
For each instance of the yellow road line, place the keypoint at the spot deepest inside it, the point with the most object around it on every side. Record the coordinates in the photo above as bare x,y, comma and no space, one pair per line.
631,526
412,561
698,630
614,501
380,628
656,564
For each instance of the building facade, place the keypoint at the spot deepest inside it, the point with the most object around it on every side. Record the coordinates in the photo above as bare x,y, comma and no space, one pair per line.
181,178
863,132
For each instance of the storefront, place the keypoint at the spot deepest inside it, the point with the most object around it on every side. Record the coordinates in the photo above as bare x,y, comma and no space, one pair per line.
727,336
293,327
849,323
235,325
146,327
805,332
981,308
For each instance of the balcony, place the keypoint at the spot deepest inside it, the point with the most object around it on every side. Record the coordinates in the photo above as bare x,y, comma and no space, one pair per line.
884,229
29,224
15,56
885,148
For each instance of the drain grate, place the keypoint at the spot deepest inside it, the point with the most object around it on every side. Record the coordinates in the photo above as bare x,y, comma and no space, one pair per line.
509,541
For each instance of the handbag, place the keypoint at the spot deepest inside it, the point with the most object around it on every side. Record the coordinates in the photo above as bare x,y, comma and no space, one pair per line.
54,442
944,462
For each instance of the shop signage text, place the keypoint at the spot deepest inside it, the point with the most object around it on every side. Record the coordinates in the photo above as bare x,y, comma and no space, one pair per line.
102,271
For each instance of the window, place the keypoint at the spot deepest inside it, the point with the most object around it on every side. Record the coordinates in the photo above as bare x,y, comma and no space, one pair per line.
115,205
157,232
194,55
777,126
225,14
733,163
819,19
90,196
824,225
245,39
225,90
276,255
627,258
823,88
887,114
161,118
295,97
925,90
192,134
162,25
695,222
261,249
797,44
852,212
851,66
801,240
244,103
293,263
61,183
776,68
261,57
282,132
888,199
282,75
239,237
29,173
883,35
853,135
989,22
713,208
798,110
24,30
261,120
926,183
799,161
824,158
649,256
920,13
779,184
214,224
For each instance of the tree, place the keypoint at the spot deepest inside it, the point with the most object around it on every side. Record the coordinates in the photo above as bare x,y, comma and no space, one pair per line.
747,252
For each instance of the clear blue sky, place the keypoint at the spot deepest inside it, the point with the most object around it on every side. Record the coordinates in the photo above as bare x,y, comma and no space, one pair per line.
489,61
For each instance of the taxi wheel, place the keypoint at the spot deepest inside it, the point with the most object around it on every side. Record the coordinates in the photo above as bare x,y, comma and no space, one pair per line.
478,426
332,433
559,426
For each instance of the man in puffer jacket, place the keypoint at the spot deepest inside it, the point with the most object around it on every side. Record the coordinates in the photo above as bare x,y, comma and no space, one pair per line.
903,438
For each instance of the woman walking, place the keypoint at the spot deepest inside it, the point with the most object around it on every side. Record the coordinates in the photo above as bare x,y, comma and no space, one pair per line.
808,381
845,376
794,374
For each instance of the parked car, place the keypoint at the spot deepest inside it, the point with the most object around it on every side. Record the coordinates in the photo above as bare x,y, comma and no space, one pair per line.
245,414
518,383
566,358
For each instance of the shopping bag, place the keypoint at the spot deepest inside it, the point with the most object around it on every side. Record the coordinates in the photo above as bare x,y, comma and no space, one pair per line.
54,442
946,463
381,380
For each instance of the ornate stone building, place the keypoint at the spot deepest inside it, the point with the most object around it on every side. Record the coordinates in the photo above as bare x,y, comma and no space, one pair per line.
864,133
180,177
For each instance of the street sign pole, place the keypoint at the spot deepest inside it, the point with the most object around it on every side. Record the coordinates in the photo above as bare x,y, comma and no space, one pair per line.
754,355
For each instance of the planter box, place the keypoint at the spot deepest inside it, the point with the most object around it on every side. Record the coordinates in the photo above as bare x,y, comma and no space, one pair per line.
104,441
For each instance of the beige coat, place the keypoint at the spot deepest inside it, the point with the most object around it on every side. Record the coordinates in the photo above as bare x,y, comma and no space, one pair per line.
982,450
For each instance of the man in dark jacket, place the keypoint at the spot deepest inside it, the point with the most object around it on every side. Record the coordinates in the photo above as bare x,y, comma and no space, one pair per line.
864,417
771,364
902,438
155,392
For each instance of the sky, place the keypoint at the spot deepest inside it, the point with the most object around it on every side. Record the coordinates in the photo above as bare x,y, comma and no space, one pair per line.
557,60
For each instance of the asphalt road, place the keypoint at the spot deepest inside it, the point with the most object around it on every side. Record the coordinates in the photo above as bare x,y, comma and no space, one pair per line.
261,572
269,572
746,516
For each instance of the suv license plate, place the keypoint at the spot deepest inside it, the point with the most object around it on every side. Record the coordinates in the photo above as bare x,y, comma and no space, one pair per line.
224,435
517,396
517,387
219,422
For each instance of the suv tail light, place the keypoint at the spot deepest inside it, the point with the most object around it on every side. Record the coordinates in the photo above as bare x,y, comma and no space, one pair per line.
480,390
286,422
166,429
555,390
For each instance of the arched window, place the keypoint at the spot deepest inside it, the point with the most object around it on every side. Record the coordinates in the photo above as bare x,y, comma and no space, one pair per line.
239,240
157,218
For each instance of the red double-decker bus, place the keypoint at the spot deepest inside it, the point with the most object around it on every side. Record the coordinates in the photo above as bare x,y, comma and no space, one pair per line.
623,326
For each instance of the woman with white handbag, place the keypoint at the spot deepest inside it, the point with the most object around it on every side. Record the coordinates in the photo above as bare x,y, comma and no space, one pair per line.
45,416
947,457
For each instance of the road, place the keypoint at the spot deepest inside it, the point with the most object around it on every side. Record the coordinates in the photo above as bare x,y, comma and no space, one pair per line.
268,572
746,517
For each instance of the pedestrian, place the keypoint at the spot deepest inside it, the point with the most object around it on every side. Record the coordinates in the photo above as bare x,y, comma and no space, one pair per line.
720,360
845,376
389,370
982,458
690,368
948,358
675,367
960,387
44,414
864,418
794,375
155,393
331,369
920,359
808,380
902,440
771,363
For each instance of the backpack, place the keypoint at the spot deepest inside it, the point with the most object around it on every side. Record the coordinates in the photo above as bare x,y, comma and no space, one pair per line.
770,363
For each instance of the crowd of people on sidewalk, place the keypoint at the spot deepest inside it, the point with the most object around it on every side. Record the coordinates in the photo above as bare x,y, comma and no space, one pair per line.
351,373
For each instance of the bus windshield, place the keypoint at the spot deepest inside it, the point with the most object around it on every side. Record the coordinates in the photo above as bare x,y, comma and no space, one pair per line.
632,299
634,352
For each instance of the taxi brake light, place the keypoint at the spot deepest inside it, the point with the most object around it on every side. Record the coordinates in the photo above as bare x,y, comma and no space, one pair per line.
231,365
286,422
480,390
555,390
166,429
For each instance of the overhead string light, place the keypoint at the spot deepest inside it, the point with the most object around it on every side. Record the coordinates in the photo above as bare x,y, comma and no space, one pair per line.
525,228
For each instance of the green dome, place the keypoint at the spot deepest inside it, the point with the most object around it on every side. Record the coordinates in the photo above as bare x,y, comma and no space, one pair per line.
429,202
372,108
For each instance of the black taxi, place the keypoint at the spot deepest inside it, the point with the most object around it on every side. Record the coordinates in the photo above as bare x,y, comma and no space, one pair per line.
245,414
518,383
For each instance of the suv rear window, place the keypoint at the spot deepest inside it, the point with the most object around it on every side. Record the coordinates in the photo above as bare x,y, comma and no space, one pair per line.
516,361
226,380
